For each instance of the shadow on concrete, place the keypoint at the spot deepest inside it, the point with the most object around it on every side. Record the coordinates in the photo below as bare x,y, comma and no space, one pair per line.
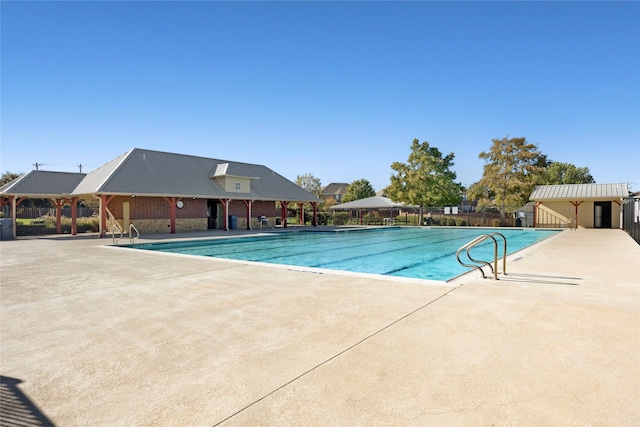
16,409
539,278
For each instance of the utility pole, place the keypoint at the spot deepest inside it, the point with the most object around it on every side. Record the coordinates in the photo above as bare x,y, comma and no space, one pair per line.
80,167
37,165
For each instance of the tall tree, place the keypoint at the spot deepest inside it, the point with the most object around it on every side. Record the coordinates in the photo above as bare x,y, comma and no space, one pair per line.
512,169
358,189
426,179
566,173
310,183
8,177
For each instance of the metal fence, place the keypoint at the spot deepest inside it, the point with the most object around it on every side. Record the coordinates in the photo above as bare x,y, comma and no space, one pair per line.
37,221
631,218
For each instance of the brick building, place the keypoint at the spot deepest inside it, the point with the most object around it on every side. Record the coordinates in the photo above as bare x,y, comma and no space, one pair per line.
167,192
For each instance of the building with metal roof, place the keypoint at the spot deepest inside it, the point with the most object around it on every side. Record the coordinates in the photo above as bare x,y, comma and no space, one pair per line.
579,205
160,192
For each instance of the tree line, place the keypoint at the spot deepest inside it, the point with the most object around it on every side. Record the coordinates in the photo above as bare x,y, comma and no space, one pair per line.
512,168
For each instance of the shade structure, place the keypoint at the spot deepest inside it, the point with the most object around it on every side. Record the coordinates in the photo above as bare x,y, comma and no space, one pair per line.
375,202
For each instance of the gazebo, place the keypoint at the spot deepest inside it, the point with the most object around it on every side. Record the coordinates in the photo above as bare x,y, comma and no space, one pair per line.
370,204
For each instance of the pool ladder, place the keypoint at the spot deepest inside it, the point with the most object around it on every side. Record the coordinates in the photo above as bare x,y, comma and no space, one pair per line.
115,228
265,220
480,263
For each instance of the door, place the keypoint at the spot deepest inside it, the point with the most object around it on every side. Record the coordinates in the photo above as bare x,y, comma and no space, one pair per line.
219,215
602,215
126,216
212,214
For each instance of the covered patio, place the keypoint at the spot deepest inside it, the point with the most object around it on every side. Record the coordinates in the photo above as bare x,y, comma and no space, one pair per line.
374,204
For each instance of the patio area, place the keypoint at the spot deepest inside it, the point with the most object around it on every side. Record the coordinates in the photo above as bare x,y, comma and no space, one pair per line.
95,335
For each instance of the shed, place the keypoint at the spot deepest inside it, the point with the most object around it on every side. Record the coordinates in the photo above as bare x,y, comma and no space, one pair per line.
579,205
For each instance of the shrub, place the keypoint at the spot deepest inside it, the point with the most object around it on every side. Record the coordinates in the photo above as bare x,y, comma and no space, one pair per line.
340,218
461,222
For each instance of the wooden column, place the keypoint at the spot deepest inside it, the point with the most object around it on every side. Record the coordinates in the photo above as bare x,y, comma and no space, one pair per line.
248,204
576,204
225,207
283,213
315,213
172,212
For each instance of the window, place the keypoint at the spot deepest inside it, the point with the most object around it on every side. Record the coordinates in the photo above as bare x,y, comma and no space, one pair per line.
238,186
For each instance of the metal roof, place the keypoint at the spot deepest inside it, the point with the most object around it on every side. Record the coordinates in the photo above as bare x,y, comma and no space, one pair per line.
579,192
154,173
43,184
375,202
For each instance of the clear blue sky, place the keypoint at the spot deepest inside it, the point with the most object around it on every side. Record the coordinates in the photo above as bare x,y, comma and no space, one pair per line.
335,89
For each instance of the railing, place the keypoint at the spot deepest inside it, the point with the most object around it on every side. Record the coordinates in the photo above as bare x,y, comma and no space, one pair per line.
479,263
548,219
115,228
265,220
389,221
133,228
631,218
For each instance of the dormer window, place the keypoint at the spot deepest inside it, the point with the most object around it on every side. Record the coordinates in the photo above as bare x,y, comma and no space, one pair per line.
238,186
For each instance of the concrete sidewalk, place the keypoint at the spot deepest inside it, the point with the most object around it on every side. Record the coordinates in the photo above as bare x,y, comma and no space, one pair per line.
94,335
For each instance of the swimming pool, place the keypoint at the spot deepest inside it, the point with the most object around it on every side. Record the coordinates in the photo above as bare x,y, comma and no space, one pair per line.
418,253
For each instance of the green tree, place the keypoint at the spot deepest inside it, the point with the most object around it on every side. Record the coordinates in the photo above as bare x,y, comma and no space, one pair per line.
565,173
310,183
426,179
512,169
359,189
8,177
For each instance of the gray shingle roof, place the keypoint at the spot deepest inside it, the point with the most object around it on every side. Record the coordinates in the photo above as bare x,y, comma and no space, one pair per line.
335,188
43,184
579,192
155,173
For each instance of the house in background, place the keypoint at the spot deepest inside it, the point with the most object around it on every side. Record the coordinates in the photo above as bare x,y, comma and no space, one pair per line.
579,205
335,190
167,192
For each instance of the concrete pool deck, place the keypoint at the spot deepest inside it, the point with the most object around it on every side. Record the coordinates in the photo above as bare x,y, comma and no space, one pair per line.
92,335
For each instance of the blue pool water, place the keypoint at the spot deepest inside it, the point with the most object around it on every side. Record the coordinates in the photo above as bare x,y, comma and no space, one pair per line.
419,253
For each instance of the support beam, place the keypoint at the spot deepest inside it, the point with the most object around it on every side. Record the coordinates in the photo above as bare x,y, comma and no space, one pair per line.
301,214
576,204
74,216
283,213
11,202
248,204
172,212
225,208
315,213
58,204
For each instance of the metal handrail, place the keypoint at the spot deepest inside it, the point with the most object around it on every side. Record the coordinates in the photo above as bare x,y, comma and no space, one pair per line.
133,228
116,227
388,221
479,263
504,252
263,220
